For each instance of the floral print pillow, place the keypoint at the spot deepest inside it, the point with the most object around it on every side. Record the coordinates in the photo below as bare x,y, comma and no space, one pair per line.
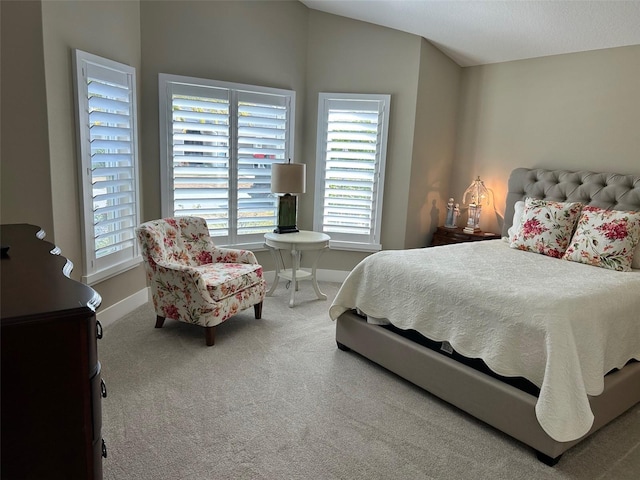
546,227
605,238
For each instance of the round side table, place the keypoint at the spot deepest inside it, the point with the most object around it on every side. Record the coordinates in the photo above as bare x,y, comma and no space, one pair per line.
297,242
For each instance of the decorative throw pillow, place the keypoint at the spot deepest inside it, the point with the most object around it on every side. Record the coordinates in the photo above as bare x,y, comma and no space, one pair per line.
518,208
605,238
546,227
635,263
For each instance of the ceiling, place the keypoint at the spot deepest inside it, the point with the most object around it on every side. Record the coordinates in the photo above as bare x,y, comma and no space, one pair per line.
488,31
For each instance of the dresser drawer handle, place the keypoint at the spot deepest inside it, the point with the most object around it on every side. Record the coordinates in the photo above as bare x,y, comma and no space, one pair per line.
104,449
103,388
98,330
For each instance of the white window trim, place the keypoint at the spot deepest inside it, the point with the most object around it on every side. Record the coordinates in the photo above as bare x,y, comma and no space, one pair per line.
96,270
375,243
166,154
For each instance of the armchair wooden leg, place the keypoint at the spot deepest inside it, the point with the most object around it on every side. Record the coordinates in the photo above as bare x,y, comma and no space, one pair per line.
159,321
257,308
210,335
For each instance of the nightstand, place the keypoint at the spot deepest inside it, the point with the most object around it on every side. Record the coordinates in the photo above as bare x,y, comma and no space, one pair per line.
447,236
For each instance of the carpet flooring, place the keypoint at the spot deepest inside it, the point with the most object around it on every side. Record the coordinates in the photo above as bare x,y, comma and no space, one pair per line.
275,399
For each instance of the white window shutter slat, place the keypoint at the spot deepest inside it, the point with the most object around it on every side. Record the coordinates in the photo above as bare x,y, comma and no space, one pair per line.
351,153
107,132
201,148
222,140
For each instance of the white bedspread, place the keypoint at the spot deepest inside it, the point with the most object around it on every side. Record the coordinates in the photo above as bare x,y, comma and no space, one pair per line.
562,325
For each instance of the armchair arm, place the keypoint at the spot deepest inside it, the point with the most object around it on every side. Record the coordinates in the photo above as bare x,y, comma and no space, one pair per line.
232,255
178,267
172,276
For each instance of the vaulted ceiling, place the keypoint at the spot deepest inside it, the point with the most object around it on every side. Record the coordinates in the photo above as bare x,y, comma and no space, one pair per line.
488,31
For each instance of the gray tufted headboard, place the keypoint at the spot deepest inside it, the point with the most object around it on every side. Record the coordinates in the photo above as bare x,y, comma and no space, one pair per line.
606,190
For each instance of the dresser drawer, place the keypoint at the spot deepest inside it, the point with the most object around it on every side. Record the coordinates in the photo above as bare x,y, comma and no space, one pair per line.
51,408
97,386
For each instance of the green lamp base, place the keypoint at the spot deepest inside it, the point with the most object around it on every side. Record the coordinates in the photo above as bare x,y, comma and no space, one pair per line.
287,214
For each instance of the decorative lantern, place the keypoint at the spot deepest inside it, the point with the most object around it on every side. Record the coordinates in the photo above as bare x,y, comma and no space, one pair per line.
479,196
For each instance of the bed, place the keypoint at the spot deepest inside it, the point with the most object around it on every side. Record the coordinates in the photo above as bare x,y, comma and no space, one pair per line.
541,348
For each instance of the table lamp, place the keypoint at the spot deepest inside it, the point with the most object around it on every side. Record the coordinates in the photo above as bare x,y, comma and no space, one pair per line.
479,196
287,179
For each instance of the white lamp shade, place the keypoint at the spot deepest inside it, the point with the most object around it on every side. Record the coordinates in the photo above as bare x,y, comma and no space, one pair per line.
288,177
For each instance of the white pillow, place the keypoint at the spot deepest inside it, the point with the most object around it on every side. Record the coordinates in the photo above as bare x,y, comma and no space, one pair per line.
635,263
518,208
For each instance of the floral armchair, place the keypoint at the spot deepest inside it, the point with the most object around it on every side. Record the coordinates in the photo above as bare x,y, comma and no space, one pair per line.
194,281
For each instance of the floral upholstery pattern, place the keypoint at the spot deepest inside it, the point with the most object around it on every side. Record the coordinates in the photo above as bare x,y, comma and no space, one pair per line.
546,227
605,238
191,279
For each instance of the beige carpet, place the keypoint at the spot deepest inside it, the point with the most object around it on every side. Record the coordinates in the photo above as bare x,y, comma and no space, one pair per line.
275,399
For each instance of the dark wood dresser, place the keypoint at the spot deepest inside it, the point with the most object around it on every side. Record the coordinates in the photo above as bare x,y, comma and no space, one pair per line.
51,385
447,236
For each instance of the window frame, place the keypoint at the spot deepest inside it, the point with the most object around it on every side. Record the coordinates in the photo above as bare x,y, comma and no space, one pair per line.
233,239
98,268
372,242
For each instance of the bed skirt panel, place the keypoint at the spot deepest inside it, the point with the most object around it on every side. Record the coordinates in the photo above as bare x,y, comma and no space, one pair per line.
502,406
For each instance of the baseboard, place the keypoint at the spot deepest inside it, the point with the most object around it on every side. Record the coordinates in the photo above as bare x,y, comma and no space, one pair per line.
118,310
335,276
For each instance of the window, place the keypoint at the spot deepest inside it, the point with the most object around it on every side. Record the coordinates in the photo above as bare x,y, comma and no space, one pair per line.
350,162
108,150
218,142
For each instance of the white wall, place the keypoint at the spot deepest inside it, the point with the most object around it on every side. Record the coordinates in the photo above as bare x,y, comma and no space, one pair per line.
349,56
578,111
25,191
111,30
433,144
255,43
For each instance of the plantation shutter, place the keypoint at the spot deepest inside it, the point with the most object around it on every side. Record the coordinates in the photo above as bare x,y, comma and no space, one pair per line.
351,154
262,141
222,140
108,151
201,155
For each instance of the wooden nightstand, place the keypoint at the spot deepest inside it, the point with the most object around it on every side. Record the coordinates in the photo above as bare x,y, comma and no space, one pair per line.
447,236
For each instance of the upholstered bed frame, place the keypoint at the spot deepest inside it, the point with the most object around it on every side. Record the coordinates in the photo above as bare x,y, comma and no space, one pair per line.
503,406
